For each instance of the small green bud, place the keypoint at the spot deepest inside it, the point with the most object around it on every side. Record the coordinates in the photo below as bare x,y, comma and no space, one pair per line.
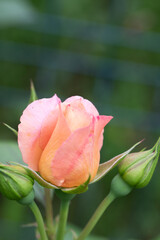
15,183
136,169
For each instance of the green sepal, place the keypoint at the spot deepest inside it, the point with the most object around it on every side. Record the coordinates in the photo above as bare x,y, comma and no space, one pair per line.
33,94
77,190
12,129
104,168
151,166
37,177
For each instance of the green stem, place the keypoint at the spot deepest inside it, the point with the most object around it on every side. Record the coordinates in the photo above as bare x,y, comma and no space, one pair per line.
49,214
63,219
96,216
39,220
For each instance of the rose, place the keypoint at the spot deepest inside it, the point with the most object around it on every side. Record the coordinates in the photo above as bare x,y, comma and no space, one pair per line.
62,141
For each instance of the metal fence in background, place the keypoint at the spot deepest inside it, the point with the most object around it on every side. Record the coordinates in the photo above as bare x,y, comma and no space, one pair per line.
106,71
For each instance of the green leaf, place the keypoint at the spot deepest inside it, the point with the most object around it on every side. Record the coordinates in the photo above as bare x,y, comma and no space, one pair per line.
33,95
104,168
37,177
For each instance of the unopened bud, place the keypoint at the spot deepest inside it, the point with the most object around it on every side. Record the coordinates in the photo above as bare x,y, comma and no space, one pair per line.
15,183
136,169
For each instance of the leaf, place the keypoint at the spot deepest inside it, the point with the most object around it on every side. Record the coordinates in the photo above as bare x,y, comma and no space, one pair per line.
104,168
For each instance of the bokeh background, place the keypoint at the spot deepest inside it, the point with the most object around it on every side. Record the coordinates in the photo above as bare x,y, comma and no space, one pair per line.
107,51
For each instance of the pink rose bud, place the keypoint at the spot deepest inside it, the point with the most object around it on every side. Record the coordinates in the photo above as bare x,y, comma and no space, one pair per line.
62,141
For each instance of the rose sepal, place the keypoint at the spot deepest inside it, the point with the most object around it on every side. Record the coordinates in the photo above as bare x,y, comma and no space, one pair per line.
77,190
37,177
10,128
33,94
105,167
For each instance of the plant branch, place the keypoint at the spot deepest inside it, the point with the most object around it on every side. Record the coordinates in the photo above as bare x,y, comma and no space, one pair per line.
96,216
39,220
49,214
63,219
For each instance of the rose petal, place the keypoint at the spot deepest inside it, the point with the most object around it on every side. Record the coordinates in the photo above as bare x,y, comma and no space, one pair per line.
100,123
89,107
59,135
47,128
76,117
70,164
72,99
29,129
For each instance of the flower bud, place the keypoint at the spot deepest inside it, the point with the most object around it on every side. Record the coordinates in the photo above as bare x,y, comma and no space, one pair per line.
63,139
15,183
136,169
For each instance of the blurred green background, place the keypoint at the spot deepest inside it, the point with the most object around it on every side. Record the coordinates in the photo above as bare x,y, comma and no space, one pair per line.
107,51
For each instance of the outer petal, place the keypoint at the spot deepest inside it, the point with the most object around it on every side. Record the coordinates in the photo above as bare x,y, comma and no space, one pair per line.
100,123
70,165
30,129
47,127
59,135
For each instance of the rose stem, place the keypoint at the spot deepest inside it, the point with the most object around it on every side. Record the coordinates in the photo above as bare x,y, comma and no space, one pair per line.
39,220
119,188
63,219
96,216
49,213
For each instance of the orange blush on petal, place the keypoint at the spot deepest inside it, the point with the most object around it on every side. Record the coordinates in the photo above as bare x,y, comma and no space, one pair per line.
59,135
